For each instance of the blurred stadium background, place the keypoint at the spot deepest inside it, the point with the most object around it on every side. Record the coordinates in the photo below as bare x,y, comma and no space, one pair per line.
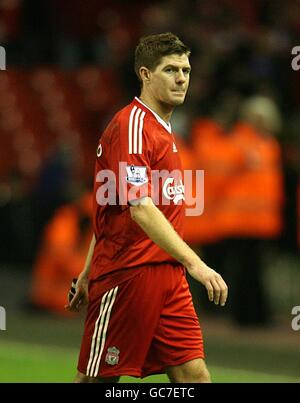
69,69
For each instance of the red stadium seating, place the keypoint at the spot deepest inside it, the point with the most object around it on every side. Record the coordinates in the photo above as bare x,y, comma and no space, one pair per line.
40,108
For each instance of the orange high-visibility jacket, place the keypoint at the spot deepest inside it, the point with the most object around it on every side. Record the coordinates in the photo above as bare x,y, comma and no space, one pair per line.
62,257
251,203
243,189
212,152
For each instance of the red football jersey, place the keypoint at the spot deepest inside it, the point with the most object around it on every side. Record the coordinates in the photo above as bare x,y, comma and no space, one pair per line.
136,157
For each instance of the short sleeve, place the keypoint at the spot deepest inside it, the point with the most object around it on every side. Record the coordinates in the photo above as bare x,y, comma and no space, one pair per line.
131,159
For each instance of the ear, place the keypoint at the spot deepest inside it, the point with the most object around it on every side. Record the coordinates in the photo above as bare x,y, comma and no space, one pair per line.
144,73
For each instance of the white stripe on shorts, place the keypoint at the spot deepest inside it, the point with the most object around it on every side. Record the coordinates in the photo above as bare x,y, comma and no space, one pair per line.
100,331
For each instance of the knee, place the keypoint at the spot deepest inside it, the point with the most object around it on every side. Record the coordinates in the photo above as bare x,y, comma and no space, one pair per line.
194,371
82,378
200,373
198,376
204,376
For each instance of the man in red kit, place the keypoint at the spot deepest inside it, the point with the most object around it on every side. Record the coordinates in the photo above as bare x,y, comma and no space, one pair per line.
141,319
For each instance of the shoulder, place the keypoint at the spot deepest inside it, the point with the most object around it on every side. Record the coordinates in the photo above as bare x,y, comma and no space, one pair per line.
117,126
131,117
136,124
135,116
131,128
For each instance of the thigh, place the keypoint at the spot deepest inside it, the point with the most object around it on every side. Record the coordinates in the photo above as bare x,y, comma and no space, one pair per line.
120,326
178,337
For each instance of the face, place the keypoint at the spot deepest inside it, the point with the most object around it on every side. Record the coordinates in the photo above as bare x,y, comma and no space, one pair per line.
169,82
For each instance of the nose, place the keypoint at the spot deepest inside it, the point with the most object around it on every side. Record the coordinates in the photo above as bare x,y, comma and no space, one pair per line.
180,77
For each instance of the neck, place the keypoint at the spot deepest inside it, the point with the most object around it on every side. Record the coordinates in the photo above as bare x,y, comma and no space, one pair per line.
164,111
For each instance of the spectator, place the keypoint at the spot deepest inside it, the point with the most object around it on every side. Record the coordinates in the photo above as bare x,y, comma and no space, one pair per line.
61,257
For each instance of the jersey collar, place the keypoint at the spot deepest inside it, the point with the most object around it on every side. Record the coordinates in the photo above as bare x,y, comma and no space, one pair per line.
167,126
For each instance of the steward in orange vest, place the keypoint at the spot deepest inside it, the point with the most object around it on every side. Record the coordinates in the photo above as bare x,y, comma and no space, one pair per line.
62,256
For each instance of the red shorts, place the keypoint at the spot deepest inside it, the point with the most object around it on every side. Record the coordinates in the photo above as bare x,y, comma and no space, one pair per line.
140,326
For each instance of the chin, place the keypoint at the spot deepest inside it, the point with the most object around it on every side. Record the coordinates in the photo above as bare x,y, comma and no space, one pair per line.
177,101
174,101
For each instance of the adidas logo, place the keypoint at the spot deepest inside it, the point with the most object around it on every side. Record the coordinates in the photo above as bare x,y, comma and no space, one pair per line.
174,148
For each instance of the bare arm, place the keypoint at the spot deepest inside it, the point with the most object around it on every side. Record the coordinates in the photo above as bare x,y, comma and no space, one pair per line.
81,295
160,231
88,262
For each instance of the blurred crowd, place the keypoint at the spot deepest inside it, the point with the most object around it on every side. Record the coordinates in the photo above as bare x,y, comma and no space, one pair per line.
70,67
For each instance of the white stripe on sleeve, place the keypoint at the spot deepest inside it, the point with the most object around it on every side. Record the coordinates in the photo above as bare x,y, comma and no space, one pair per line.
141,132
130,129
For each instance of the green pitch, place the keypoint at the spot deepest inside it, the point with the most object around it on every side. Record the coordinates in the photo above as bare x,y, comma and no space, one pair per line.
21,362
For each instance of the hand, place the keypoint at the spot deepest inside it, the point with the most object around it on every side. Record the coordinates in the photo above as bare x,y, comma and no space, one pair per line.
217,289
78,298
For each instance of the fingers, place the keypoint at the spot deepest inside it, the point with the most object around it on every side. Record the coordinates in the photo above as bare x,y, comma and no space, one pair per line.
224,292
79,300
217,290
210,292
77,296
76,301
72,291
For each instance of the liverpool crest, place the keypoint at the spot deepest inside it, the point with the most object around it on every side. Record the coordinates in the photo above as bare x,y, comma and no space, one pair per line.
112,356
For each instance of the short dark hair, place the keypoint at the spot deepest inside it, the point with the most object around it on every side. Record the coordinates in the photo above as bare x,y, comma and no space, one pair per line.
152,48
